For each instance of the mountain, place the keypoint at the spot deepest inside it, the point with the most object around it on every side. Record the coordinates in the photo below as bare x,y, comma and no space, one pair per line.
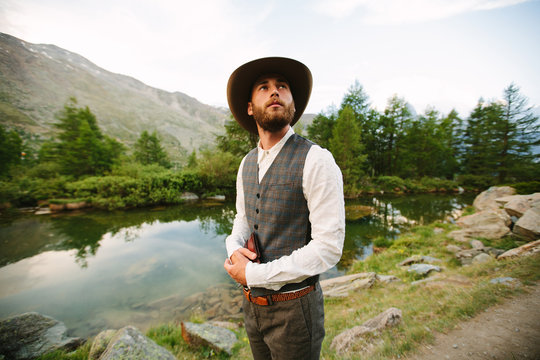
37,80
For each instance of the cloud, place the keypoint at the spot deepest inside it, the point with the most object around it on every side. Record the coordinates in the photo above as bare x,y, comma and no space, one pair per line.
394,12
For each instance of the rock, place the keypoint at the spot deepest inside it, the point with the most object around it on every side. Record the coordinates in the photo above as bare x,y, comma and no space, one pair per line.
477,244
342,342
216,198
524,250
129,343
508,281
528,226
486,199
386,279
216,337
31,335
356,212
43,211
100,343
517,206
189,197
76,205
485,218
453,248
340,286
226,324
423,269
481,258
417,259
486,232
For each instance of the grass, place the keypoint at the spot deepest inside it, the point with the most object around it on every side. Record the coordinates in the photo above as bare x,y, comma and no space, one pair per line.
458,293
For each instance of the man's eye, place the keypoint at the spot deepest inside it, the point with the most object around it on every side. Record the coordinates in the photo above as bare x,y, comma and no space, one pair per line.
282,86
263,87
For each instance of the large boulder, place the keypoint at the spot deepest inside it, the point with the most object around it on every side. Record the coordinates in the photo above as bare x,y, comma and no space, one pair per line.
31,335
216,337
486,199
488,224
528,226
129,343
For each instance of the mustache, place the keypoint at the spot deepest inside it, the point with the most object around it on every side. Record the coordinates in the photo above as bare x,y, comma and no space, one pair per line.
273,101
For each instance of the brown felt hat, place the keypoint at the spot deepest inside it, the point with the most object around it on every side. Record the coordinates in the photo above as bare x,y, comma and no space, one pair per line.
242,79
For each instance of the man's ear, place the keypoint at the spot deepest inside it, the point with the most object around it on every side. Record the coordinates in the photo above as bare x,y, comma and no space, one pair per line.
250,109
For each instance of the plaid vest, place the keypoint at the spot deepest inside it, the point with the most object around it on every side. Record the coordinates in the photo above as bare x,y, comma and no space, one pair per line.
276,209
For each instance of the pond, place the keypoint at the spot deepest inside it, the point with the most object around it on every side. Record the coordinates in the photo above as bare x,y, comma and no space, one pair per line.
95,270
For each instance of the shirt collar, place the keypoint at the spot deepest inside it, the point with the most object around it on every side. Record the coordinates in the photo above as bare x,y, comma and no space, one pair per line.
274,150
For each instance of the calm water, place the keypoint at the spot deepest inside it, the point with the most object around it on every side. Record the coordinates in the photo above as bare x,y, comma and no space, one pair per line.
93,270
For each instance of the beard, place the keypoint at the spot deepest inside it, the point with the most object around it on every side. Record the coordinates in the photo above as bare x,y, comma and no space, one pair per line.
273,121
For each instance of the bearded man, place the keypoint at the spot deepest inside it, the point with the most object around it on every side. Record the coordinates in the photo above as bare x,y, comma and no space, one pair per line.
290,221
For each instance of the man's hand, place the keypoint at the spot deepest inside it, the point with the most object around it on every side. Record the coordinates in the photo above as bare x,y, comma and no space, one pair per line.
236,265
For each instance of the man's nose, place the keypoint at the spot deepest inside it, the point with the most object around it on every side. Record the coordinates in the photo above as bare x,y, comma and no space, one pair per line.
275,92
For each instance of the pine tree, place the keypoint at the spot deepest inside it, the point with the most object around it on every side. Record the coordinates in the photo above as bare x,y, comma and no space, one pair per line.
10,150
82,149
148,150
517,131
346,146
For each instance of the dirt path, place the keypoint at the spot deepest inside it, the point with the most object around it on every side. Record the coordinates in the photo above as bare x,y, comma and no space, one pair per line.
507,331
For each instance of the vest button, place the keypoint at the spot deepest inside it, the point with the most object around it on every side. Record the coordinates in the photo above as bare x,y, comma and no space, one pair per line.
256,226
258,196
257,211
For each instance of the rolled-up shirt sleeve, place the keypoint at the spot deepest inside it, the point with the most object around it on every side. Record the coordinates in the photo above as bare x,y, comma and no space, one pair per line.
322,184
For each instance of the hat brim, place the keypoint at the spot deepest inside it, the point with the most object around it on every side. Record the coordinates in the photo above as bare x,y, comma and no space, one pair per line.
242,79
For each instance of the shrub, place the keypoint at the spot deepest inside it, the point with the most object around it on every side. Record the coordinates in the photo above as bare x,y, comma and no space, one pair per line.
389,183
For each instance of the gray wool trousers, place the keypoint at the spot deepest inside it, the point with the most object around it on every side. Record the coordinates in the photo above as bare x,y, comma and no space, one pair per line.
292,329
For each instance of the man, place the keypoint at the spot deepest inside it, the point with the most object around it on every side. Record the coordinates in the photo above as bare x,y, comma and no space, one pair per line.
290,201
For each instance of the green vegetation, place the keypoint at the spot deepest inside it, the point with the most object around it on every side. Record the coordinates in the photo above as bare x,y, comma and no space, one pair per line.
393,151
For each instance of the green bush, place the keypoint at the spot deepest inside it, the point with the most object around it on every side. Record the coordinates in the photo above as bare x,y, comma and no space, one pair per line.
476,181
390,183
526,188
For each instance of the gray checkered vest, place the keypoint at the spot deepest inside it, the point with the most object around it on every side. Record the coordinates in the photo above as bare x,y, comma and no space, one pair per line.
276,209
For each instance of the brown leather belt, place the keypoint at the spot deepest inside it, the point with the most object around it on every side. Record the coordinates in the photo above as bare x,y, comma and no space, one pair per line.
270,299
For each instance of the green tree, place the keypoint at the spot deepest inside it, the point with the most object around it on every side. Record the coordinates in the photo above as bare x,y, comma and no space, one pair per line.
148,150
236,139
358,101
394,122
320,130
346,146
82,148
516,132
10,150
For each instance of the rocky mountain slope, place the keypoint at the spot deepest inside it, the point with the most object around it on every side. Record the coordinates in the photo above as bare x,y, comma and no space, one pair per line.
36,80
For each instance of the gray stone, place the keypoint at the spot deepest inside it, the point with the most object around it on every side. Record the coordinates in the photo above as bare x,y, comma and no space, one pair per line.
508,281
481,258
486,199
343,341
216,337
129,343
423,269
485,218
100,343
386,279
528,226
31,335
43,211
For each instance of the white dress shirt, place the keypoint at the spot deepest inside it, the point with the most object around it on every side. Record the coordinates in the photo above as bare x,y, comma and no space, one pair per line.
322,185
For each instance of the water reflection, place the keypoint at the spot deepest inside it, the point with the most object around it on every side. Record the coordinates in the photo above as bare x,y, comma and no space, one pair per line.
97,270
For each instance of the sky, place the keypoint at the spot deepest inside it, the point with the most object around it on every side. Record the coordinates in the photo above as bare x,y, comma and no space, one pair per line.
445,54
